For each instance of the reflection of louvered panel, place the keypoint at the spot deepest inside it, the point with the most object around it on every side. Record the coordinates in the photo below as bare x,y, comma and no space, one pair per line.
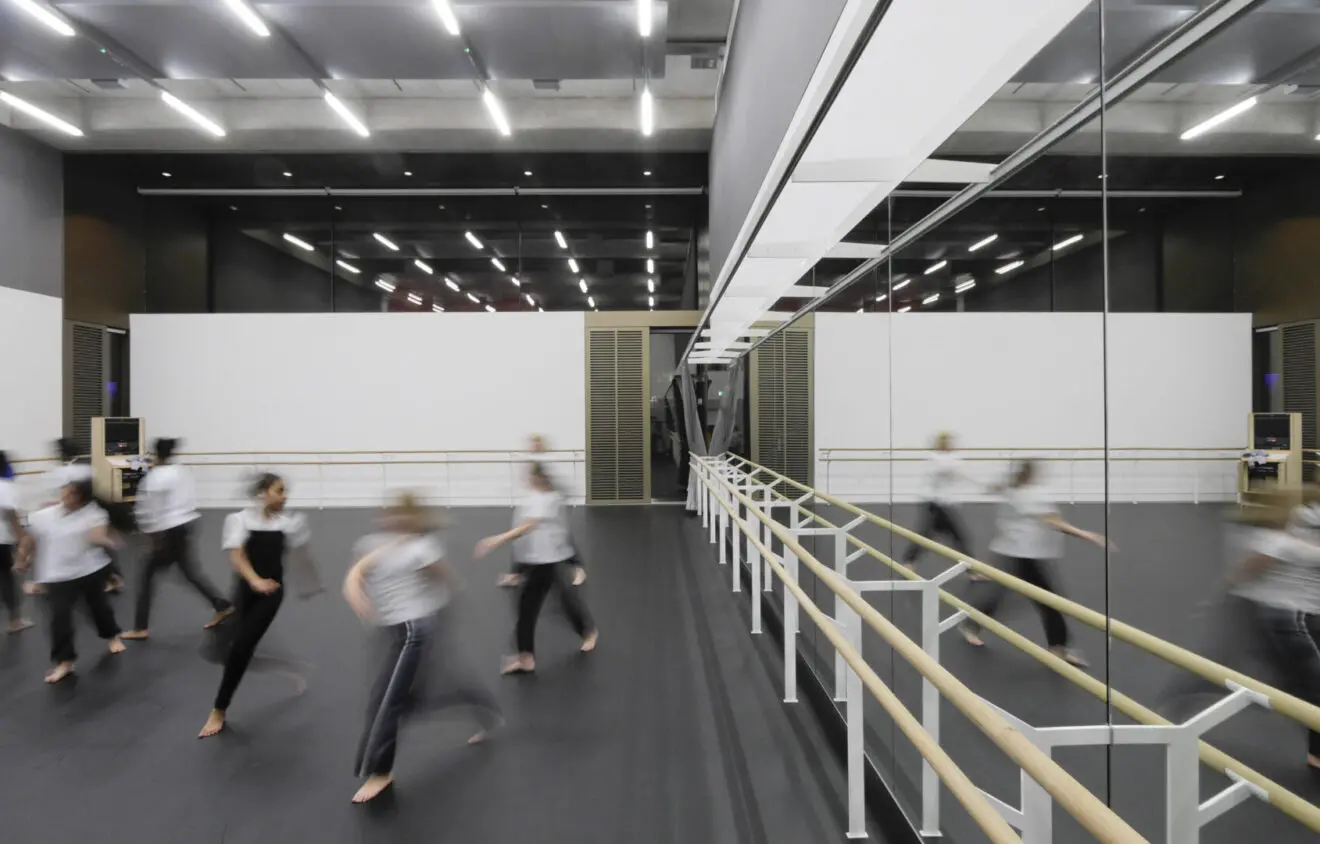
87,364
1299,375
797,405
769,445
631,390
602,448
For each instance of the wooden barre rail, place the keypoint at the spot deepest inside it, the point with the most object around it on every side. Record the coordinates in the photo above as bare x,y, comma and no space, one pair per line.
1034,449
1287,801
1206,459
1098,819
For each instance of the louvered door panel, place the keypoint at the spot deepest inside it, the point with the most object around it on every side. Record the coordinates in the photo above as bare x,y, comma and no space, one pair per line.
87,368
617,414
602,439
781,424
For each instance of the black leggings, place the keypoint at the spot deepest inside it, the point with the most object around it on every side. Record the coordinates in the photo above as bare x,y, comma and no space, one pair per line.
1294,639
172,547
255,613
538,580
1035,572
64,595
938,520
8,582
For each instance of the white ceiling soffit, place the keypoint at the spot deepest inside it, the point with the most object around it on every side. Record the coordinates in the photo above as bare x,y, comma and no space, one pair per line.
926,70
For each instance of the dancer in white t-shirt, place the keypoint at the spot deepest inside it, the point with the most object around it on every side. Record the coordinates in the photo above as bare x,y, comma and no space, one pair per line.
514,576
11,535
940,516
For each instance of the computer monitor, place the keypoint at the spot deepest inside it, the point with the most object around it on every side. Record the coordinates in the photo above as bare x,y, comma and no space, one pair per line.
1273,432
123,437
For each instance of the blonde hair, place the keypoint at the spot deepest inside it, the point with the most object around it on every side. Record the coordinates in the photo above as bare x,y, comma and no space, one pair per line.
409,513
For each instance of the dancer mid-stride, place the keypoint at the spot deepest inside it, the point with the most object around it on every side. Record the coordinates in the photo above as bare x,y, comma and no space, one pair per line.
400,583
540,542
940,516
11,536
258,540
513,578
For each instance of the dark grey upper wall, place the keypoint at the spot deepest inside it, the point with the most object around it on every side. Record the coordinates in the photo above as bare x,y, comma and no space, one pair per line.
776,46
31,215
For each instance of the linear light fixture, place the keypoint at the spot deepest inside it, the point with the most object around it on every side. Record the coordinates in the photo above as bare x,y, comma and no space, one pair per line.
474,299
650,266
591,302
650,240
490,309
349,117
882,297
573,265
983,243
650,285
931,299
517,282
192,114
1064,244
1220,118
559,238
1008,268
529,299
904,283
540,310
447,16
423,266
650,300
905,309
437,309
385,285
648,112
472,239
250,18
936,267
346,265
965,286
385,241
645,17
299,242
496,111
414,298
40,114
498,264
582,285
46,16
452,285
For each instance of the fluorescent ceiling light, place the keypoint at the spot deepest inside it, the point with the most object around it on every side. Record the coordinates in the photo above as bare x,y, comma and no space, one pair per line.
437,309
346,265
934,268
517,282
591,302
496,111
249,18
650,285
1219,178
46,16
882,297
905,309
349,117
650,240
540,310
414,298
645,17
981,243
473,298
490,309
288,175
423,266
582,285
559,238
193,114
446,16
904,283
409,173
499,265
452,285
1064,244
573,265
965,286
1222,117
650,300
299,242
529,299
167,175
648,112
472,239
40,114
385,241
1008,268
384,285
646,172
931,299
527,172
650,266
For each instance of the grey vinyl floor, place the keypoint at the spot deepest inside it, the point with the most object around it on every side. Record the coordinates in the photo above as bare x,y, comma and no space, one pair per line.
673,731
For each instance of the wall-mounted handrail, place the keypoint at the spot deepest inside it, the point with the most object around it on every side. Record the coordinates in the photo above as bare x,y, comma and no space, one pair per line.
1287,801
1098,819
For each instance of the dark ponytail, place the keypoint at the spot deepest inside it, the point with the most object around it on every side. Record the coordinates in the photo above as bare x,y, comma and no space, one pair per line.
165,448
67,449
263,482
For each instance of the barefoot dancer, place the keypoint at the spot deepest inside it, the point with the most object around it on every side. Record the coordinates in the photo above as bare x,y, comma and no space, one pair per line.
540,541
514,576
257,539
401,584
11,536
70,542
166,508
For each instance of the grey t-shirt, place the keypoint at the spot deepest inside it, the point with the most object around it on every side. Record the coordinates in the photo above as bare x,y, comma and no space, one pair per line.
401,583
1292,582
1022,529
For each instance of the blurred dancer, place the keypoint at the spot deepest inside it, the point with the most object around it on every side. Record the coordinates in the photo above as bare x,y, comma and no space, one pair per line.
166,508
70,542
939,515
1029,536
11,536
514,577
400,583
258,540
540,542
52,485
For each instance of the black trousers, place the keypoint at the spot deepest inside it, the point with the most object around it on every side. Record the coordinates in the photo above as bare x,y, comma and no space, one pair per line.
63,596
8,582
538,581
1294,640
172,547
407,683
1035,572
938,520
255,614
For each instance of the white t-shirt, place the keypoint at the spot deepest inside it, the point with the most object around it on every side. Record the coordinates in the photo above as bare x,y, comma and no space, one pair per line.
64,551
943,471
1022,529
61,476
8,503
548,542
401,584
239,525
166,498
1293,581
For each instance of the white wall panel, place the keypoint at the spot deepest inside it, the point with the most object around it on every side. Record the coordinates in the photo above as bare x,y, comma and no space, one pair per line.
31,373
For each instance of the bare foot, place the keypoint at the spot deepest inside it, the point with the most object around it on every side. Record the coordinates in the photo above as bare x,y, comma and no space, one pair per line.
372,788
114,584
509,580
579,575
135,635
59,672
1071,656
589,641
116,646
972,637
520,664
18,625
219,617
215,722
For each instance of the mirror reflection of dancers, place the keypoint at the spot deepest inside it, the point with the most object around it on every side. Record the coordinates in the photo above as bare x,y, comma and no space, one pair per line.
514,576
1029,536
51,487
11,537
540,541
258,540
401,584
166,508
939,514
69,542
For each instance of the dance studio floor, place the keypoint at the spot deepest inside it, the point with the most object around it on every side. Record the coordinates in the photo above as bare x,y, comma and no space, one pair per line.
672,732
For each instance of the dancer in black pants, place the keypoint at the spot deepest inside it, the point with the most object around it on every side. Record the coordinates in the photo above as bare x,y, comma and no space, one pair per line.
70,540
11,536
400,583
166,508
513,578
939,514
257,539
1029,537
540,541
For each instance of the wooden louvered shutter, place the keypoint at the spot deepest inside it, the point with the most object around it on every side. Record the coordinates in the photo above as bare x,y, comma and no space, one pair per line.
1299,377
87,381
781,408
618,401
